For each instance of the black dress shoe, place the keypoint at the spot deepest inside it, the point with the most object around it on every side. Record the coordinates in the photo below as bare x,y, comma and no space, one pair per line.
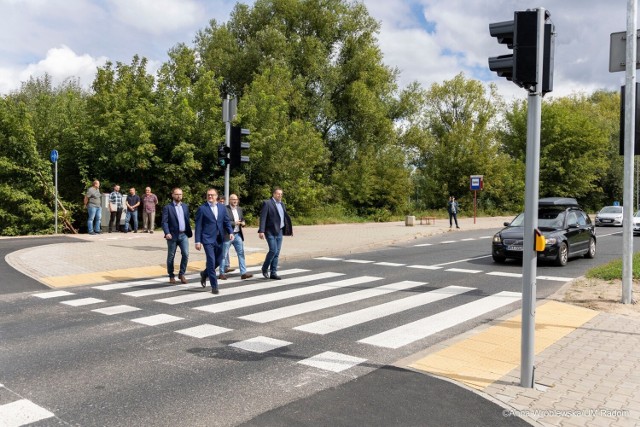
215,291
203,279
265,274
275,276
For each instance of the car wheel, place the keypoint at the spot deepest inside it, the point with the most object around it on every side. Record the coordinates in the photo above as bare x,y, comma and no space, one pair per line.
498,258
591,253
563,255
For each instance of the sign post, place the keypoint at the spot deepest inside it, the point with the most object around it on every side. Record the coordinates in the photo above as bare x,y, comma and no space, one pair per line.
476,183
54,159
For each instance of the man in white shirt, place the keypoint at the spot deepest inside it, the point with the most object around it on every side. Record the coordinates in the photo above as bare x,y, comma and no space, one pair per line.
236,215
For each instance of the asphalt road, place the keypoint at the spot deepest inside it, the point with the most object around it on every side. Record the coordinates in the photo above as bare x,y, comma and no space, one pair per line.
149,366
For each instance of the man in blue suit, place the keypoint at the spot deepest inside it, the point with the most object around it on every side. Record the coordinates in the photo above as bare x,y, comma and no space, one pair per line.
274,223
212,223
177,230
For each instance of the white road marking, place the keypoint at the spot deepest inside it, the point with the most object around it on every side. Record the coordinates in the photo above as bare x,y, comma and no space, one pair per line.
22,412
203,331
277,296
414,331
425,267
463,270
309,306
260,344
353,318
157,319
116,309
390,264
82,301
331,361
504,274
54,294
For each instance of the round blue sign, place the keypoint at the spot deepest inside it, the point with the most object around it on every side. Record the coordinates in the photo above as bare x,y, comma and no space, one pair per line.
54,156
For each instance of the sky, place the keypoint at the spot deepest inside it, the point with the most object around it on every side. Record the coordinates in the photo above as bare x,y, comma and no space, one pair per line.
428,41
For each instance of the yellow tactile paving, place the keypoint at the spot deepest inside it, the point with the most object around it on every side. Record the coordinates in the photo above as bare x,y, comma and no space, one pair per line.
489,355
135,273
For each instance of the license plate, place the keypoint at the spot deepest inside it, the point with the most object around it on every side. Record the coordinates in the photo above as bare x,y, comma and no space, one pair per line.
606,220
515,248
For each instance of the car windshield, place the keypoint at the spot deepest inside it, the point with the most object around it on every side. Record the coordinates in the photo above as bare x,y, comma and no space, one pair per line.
637,215
612,209
547,218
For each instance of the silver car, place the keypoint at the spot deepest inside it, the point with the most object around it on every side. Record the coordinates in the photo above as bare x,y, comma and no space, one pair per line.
610,215
636,223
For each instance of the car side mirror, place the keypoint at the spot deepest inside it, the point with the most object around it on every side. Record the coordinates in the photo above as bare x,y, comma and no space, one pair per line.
574,225
506,223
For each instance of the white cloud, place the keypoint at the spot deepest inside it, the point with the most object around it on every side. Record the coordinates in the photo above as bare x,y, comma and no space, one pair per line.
158,16
62,63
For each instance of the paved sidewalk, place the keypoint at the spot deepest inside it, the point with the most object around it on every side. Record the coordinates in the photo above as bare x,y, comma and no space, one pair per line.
587,362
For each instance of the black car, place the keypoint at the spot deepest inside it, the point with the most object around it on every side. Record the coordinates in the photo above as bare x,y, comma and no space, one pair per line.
568,231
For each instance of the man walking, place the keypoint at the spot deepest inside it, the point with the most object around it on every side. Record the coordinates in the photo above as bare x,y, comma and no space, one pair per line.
236,215
94,209
212,223
133,201
274,223
149,202
177,230
115,208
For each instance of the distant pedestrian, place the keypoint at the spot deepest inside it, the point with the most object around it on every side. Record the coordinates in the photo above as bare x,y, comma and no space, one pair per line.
177,230
452,208
212,223
92,201
149,202
132,203
274,223
236,215
115,208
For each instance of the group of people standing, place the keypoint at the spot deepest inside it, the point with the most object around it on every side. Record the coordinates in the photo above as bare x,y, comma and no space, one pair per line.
117,204
217,227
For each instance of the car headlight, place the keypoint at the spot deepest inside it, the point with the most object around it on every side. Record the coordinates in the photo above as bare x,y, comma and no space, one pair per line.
497,238
551,241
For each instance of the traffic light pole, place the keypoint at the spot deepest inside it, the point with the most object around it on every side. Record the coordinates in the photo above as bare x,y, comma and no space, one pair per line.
227,170
629,142
529,260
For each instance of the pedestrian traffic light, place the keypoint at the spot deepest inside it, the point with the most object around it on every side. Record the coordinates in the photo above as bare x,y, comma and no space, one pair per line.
237,145
521,35
223,155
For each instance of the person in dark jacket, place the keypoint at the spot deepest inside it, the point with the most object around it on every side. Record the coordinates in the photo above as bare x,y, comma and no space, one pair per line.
452,208
236,215
274,223
177,230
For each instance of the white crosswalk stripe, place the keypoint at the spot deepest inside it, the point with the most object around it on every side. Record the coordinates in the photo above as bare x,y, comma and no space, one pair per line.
314,305
353,318
278,296
411,332
181,299
332,361
22,412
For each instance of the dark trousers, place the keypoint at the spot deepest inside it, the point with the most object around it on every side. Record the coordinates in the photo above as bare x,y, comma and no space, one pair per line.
454,217
214,254
114,220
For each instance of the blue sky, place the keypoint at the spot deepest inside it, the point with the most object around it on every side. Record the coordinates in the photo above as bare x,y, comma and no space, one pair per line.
428,41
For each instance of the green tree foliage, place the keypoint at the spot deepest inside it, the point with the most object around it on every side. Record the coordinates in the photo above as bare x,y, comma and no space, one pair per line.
460,117
575,146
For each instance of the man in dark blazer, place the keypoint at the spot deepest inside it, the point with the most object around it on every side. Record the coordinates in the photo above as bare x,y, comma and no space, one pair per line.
274,223
236,215
212,222
177,230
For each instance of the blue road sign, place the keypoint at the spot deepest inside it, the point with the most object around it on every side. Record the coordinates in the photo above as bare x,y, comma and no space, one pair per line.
54,156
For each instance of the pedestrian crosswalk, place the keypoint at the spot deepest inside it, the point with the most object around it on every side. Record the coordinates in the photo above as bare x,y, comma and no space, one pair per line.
375,314
396,313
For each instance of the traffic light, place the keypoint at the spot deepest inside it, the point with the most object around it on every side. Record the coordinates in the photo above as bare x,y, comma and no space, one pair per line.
223,155
636,140
521,35
237,145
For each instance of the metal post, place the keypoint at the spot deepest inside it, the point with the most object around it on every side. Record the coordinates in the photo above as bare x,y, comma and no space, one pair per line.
529,259
55,175
226,118
629,132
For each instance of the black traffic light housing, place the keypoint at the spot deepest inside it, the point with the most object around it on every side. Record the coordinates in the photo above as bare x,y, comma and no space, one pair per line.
636,139
521,35
223,155
237,145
